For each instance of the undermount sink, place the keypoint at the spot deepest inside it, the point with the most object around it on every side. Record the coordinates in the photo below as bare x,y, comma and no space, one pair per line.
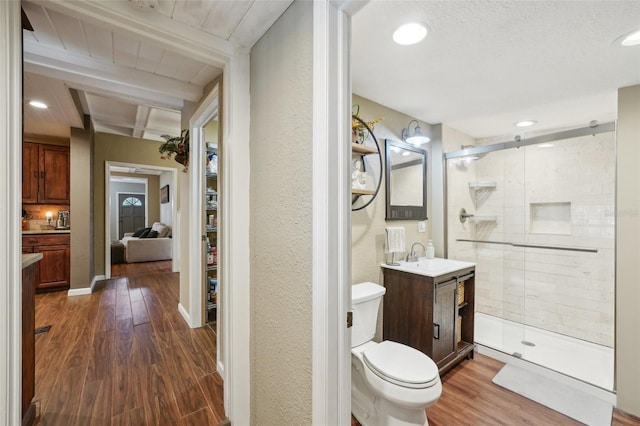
430,267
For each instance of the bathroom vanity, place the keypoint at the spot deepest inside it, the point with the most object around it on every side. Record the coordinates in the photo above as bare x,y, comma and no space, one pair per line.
429,305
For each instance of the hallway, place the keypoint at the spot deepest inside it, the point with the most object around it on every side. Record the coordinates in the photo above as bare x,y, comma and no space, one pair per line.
124,356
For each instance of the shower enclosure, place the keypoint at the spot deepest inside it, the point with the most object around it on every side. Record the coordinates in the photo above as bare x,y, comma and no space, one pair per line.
537,216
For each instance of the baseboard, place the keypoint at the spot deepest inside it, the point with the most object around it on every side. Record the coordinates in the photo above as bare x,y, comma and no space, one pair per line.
585,387
185,314
86,290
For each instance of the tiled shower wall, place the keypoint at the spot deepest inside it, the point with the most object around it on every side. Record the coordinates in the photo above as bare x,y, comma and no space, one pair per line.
570,188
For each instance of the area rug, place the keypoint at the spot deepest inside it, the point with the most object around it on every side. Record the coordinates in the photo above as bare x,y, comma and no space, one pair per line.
560,397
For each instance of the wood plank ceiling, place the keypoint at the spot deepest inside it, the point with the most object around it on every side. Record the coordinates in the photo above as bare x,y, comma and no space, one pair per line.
127,83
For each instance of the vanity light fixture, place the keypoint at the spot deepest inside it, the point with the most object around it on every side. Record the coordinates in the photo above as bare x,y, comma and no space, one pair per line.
417,138
525,123
409,34
38,104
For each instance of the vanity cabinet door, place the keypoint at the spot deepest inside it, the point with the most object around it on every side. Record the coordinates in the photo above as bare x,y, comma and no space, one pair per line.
444,320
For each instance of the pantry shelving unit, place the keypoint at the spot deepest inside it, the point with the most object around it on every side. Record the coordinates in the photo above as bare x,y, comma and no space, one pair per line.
211,254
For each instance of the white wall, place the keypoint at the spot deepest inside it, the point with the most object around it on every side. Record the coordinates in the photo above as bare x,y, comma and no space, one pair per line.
281,220
166,209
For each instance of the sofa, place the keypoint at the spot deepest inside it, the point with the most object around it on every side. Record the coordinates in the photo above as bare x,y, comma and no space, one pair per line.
148,244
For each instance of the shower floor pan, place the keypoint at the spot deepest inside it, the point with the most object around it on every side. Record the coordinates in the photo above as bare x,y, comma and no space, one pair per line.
577,358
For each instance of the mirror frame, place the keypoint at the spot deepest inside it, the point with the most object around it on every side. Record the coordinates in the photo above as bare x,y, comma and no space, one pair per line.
404,212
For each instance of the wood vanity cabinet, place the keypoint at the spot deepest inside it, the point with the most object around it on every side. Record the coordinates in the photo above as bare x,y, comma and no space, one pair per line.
45,174
54,269
425,313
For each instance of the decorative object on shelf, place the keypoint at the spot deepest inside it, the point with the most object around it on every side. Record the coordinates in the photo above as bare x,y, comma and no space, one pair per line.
417,138
360,175
176,147
360,129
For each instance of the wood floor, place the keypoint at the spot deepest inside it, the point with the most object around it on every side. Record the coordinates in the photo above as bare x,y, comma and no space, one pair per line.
470,398
124,355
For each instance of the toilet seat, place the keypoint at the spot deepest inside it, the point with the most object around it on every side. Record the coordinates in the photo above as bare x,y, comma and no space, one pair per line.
401,365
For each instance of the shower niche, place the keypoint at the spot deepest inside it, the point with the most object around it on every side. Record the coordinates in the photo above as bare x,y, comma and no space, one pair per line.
550,218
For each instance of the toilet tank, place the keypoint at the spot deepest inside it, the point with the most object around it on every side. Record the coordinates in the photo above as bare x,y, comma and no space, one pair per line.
365,301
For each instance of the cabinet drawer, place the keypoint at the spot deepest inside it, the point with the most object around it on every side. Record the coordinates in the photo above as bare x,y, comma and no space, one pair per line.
46,240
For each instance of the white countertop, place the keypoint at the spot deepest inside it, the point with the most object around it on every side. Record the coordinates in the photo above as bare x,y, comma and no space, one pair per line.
30,258
46,231
430,267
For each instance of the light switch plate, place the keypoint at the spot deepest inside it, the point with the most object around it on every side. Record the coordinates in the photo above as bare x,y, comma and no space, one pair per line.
422,226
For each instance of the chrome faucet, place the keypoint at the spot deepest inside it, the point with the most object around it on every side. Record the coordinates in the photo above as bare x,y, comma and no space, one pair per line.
411,257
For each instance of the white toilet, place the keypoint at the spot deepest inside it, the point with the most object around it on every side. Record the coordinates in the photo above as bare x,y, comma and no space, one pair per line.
391,383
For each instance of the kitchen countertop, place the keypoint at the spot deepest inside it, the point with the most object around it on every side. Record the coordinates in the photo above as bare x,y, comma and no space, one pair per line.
46,231
30,258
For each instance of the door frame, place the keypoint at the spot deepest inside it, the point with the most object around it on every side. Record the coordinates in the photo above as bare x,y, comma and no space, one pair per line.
11,193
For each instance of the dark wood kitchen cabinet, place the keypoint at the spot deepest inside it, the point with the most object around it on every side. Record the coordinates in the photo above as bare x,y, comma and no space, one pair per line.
45,174
55,266
431,314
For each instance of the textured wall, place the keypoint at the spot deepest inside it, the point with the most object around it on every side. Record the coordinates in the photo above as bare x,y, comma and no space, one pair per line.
367,225
628,235
281,221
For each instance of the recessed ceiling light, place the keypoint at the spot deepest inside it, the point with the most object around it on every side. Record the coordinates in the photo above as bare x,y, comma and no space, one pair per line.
38,104
632,39
410,33
525,123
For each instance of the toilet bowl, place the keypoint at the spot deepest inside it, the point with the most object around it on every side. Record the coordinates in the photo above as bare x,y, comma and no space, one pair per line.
391,383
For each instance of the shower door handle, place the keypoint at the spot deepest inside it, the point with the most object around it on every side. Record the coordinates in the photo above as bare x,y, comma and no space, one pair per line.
436,331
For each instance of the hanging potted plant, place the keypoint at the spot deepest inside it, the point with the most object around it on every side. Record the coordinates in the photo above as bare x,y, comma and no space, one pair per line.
176,147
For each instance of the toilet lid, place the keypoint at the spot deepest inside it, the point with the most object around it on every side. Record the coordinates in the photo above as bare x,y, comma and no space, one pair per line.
401,364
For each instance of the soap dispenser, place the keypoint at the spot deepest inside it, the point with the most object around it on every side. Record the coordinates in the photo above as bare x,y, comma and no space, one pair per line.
430,252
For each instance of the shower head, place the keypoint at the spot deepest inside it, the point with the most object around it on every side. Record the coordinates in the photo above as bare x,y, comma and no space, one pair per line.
475,156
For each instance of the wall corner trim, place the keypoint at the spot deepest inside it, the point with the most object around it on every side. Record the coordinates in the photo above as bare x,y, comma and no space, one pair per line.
185,315
86,290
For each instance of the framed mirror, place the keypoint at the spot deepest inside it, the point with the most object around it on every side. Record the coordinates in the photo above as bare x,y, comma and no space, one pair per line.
405,181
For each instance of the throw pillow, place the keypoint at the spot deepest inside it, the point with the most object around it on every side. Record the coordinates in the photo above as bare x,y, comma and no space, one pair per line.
163,231
150,234
139,232
146,231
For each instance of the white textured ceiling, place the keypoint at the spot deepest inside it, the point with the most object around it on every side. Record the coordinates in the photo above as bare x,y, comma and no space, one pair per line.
130,82
487,64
